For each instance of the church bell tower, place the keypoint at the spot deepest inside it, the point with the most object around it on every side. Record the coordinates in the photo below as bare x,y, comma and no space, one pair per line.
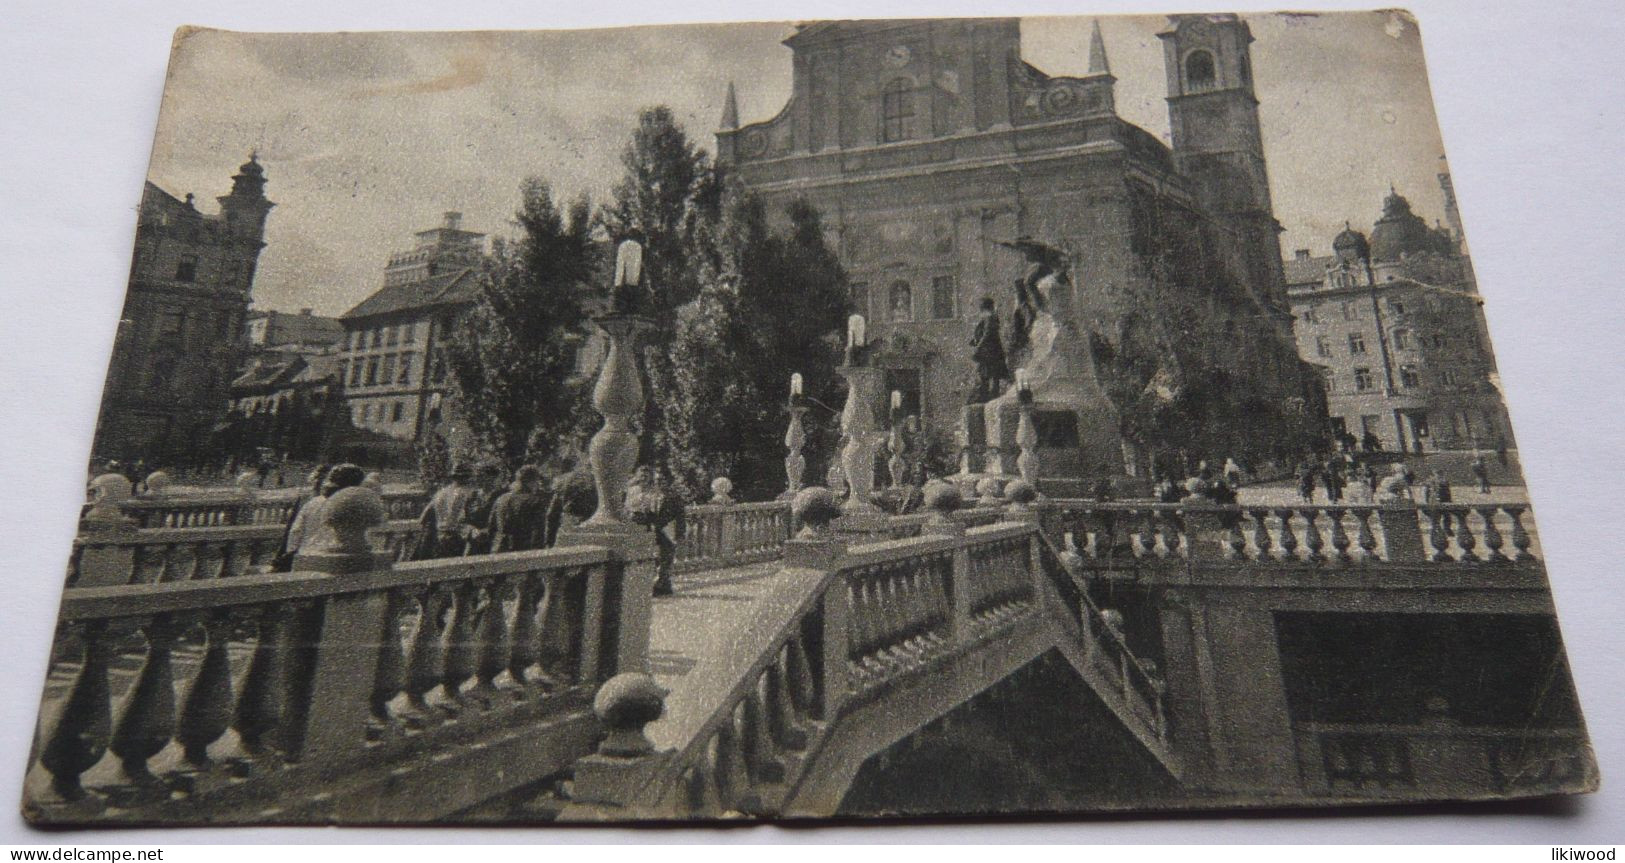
1213,114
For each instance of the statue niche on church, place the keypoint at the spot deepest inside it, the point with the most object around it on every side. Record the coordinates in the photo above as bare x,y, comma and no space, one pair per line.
987,351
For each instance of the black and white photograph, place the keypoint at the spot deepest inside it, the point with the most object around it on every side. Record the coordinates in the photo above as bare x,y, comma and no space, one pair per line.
879,419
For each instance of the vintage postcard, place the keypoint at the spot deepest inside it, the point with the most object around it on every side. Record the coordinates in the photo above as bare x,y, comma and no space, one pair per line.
927,417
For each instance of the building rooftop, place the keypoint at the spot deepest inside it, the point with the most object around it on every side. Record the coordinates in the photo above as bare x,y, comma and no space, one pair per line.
446,289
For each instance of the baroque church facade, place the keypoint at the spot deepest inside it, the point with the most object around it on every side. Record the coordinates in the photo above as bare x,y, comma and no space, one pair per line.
926,145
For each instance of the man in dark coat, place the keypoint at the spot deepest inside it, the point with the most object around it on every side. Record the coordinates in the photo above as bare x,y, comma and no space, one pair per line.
519,516
988,353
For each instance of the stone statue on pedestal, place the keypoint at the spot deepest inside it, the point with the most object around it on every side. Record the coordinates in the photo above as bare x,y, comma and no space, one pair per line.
992,370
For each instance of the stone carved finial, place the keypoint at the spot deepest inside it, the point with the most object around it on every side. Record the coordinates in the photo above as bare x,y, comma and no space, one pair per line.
106,492
722,491
943,499
1020,493
626,703
814,508
347,517
158,483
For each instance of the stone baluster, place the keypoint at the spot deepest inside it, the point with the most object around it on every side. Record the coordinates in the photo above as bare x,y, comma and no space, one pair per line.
1261,532
526,652
1289,536
147,722
491,636
206,708
79,737
795,464
1493,541
262,707
425,655
1464,535
1314,543
1436,537
1364,538
1520,537
461,651
1027,438
1340,536
390,677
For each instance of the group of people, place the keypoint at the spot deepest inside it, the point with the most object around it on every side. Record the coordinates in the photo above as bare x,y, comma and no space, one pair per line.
476,513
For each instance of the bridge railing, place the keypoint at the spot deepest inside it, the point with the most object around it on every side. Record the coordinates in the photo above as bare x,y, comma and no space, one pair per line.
860,619
242,508
1441,758
162,555
720,535
1311,534
336,673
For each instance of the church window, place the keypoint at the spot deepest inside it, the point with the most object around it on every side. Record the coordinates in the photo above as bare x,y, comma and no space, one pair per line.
372,371
1351,310
1356,343
1397,306
406,369
356,371
896,110
1200,73
388,373
1449,377
378,337
391,336
1409,378
1323,346
1362,379
942,297
1402,340
409,333
901,302
186,269
396,411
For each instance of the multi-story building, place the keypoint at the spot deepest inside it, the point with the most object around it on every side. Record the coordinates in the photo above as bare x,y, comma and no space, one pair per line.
392,354
926,145
180,338
1397,325
273,329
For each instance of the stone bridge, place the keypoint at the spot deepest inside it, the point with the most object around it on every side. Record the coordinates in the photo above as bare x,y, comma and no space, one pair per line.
188,687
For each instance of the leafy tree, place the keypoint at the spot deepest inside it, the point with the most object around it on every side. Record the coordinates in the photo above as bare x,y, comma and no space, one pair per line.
772,303
512,356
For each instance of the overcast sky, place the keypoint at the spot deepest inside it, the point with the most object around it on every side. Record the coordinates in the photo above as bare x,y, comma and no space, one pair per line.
366,138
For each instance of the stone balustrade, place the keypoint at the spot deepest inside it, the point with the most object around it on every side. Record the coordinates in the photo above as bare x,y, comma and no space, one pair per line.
1436,759
722,535
131,555
242,508
1319,534
863,619
273,687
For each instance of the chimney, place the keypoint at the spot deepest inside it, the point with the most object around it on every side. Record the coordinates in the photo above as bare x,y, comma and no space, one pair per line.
454,220
1301,254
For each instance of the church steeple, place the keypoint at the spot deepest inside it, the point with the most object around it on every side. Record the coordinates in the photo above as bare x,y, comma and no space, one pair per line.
1098,65
730,109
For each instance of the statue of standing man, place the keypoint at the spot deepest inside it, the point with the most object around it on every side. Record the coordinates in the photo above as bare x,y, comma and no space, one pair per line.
992,371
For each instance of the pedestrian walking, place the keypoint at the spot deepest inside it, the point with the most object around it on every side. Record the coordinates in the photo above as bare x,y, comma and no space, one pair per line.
1306,481
519,515
1481,472
476,525
440,526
